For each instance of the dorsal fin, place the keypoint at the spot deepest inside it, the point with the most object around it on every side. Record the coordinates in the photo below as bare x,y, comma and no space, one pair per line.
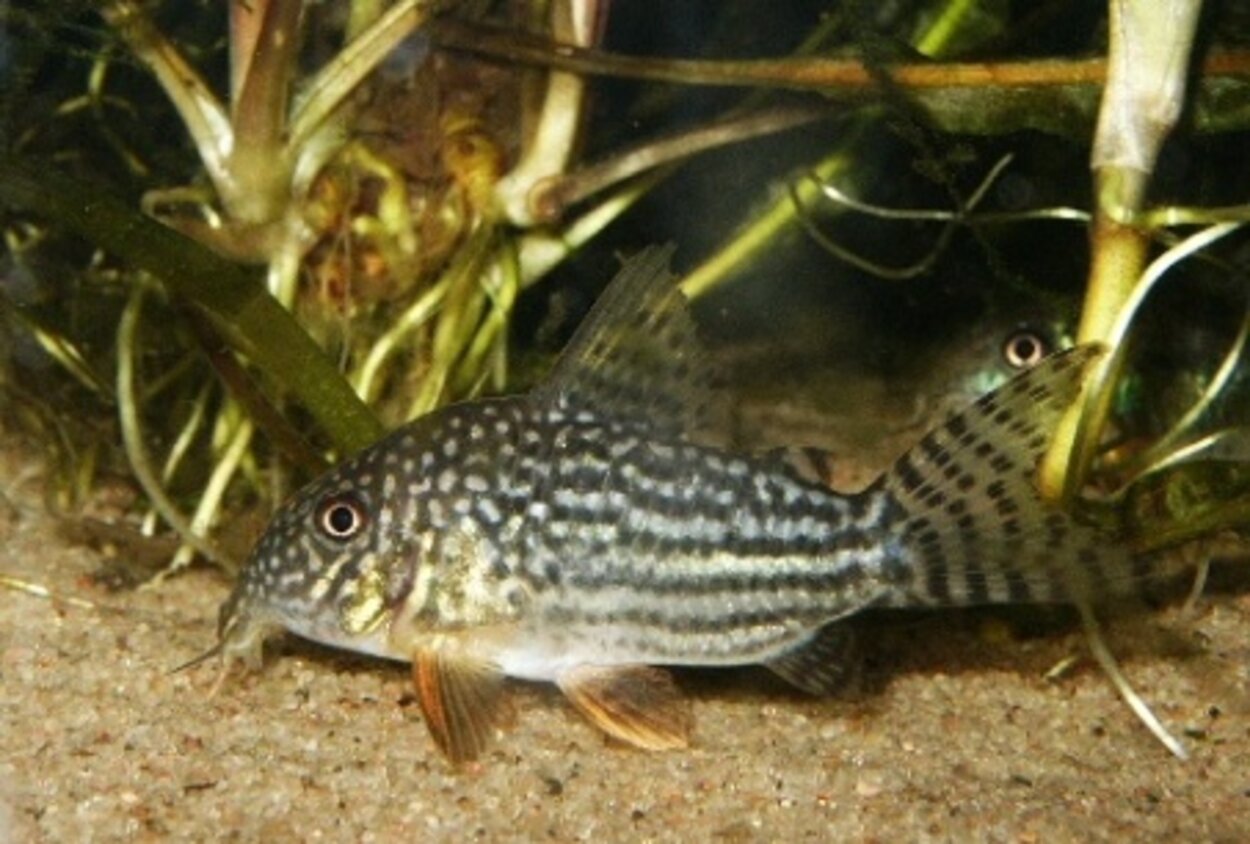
637,354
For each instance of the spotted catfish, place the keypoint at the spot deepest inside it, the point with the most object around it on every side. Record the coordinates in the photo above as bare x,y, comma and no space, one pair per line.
585,534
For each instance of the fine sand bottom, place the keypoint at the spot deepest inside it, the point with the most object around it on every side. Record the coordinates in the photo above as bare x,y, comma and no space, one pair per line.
956,734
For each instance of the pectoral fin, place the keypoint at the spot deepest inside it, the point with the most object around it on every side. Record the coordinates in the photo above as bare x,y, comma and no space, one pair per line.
460,699
636,704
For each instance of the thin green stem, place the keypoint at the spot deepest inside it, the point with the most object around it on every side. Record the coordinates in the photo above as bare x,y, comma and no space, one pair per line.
132,431
327,90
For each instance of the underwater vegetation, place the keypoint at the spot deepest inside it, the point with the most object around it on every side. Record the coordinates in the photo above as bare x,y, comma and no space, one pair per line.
243,240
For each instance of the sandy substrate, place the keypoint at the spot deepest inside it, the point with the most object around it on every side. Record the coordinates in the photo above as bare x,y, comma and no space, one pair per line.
956,735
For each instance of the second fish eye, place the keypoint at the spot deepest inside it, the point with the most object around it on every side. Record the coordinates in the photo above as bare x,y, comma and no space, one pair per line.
341,517
1025,348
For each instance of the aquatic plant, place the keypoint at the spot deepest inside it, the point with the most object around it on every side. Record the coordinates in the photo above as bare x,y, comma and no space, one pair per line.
359,195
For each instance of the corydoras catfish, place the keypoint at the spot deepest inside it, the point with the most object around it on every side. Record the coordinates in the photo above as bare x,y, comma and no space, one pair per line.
584,534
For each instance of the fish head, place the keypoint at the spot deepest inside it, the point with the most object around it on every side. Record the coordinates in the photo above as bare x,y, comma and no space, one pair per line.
403,540
992,355
333,561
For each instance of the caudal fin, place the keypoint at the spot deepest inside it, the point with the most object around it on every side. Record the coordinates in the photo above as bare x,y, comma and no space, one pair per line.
975,527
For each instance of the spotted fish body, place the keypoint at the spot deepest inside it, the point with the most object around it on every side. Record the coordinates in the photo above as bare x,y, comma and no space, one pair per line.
585,534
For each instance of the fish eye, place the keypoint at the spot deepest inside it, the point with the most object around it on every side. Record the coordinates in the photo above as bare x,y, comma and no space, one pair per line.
341,517
1024,349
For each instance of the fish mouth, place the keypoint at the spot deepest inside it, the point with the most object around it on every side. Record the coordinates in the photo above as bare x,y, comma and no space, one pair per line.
241,631
239,638
228,613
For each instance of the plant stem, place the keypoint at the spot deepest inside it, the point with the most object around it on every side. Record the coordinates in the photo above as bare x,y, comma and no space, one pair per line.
247,315
1147,65
799,73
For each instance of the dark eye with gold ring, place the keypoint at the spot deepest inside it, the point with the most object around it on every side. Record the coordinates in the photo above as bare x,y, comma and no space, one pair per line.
341,517
1024,349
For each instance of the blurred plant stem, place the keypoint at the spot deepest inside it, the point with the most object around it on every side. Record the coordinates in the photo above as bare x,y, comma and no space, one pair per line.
967,97
1150,43
240,307
550,149
130,414
777,218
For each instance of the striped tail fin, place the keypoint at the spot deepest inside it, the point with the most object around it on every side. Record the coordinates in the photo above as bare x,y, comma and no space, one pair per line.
973,524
